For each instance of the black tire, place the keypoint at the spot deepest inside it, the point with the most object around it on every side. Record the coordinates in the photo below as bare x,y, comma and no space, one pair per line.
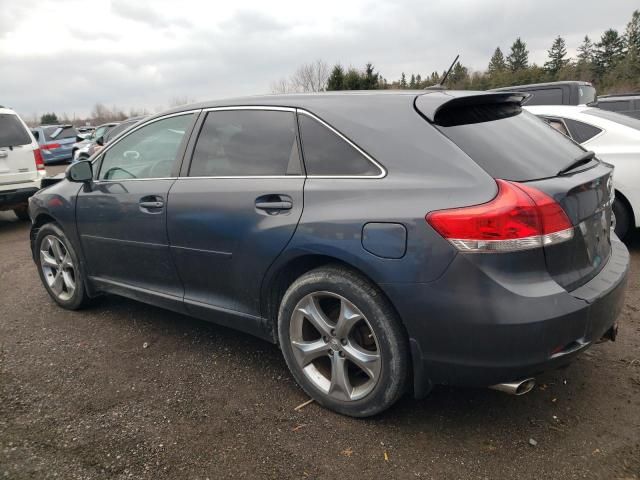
79,297
22,212
623,218
380,317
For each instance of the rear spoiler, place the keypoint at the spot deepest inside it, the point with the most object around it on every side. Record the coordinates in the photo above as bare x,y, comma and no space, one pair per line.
432,103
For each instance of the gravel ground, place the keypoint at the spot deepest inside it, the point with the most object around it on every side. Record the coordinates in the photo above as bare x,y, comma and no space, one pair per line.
125,390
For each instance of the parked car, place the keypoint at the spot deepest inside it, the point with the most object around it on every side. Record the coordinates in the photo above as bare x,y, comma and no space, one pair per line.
56,142
446,237
616,140
624,104
82,148
555,93
21,164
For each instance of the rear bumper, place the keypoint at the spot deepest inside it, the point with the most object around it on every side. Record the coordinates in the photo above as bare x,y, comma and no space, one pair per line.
477,328
10,199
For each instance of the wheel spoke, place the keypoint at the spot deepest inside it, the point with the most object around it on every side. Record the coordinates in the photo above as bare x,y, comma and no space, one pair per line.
316,316
306,352
66,261
58,283
347,318
47,259
340,385
365,360
57,250
69,281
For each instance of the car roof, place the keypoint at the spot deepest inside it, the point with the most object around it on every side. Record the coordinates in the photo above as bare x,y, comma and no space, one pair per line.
619,96
7,111
545,84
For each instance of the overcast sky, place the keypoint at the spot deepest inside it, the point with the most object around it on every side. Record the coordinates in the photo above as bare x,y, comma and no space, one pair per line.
66,55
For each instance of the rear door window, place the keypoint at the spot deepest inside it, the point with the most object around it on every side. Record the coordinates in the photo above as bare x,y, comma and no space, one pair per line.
580,131
508,142
547,96
245,143
328,154
12,131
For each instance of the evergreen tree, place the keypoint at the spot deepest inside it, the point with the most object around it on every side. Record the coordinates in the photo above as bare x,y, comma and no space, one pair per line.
435,78
370,78
557,54
497,63
518,59
336,79
403,81
632,33
585,51
609,51
458,76
49,119
412,82
418,81
352,80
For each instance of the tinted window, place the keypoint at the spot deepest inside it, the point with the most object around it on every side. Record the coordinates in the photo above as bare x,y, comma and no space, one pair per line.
12,132
518,147
326,153
63,132
614,117
246,143
149,152
547,96
101,131
617,106
117,130
580,131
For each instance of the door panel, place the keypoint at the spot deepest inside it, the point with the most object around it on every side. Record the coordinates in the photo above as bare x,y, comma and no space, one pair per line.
224,235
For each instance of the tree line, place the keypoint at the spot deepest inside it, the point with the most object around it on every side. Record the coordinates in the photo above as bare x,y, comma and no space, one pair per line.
612,64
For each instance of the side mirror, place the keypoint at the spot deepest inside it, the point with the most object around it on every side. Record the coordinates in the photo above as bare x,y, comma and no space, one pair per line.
100,141
79,172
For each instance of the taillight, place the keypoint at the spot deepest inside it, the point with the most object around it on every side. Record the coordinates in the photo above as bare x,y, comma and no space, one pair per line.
50,146
518,218
37,155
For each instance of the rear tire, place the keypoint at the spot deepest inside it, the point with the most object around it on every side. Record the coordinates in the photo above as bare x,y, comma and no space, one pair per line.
22,213
59,268
623,218
343,342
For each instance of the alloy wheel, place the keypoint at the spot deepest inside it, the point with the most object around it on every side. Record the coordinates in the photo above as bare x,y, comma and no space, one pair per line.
335,346
57,267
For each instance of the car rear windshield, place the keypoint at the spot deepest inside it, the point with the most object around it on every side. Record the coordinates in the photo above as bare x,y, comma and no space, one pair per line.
507,142
12,132
59,133
615,117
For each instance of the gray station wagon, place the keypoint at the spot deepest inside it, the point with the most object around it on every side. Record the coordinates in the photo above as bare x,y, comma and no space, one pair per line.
386,241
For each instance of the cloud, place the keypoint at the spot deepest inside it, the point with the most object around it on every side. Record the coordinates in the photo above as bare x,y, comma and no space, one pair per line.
143,54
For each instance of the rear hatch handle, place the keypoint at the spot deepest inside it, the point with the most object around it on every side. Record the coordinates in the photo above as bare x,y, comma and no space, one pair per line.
583,159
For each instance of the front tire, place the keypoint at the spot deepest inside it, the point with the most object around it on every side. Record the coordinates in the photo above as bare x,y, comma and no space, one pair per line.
59,268
343,342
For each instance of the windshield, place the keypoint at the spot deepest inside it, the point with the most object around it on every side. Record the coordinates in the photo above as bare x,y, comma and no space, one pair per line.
615,117
586,94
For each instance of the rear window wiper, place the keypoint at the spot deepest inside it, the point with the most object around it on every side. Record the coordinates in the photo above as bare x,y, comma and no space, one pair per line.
586,157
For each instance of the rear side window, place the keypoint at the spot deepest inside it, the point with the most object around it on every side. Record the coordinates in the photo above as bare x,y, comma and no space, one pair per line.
12,131
246,143
580,131
616,106
557,125
517,147
547,96
327,154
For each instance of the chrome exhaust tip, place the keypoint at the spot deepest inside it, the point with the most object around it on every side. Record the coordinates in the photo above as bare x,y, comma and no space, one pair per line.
519,387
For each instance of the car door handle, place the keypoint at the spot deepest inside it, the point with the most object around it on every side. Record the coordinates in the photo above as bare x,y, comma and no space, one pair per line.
274,202
155,204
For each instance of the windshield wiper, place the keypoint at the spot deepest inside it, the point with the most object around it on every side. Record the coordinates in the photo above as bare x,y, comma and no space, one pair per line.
586,157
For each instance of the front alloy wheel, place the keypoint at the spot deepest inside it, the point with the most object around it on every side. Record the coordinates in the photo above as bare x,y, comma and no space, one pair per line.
57,268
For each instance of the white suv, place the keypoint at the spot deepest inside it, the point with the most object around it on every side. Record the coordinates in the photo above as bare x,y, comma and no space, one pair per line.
21,164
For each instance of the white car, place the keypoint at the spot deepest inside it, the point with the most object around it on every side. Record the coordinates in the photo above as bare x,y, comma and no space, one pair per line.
21,164
615,139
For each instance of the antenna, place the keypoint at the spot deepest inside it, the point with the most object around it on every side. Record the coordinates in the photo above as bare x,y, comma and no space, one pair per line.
440,84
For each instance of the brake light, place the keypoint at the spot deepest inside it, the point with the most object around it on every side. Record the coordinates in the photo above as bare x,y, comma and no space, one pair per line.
50,146
518,218
37,155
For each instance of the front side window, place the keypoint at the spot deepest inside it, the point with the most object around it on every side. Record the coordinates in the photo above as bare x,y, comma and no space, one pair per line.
327,154
149,152
246,143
